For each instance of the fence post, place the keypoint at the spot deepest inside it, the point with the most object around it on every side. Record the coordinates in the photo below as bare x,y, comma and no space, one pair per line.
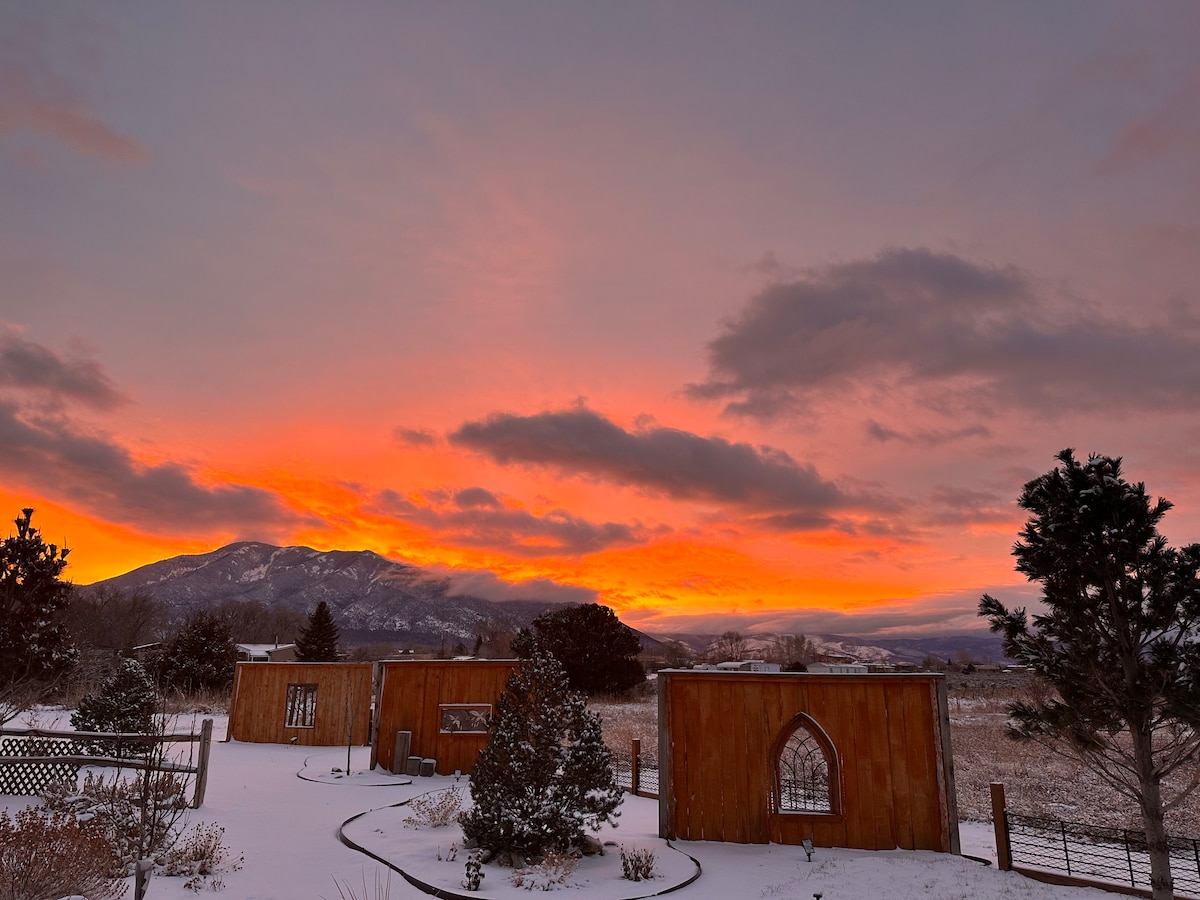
635,774
1062,826
206,728
1000,824
1129,857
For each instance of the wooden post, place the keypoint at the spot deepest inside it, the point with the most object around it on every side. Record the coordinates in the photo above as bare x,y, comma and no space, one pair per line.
206,728
141,875
635,779
1000,823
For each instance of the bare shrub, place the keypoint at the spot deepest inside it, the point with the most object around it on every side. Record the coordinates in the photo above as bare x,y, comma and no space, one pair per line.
550,873
202,855
44,853
382,888
139,816
637,864
434,810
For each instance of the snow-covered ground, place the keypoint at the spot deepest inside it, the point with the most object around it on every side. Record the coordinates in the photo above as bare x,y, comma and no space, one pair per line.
282,807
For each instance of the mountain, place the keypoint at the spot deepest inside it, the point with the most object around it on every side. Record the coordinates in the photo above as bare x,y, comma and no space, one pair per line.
371,598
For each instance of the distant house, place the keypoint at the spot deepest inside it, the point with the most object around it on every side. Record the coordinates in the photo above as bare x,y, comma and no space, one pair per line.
266,652
823,668
744,665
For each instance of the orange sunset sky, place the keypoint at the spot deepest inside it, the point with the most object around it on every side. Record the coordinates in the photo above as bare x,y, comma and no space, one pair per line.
729,315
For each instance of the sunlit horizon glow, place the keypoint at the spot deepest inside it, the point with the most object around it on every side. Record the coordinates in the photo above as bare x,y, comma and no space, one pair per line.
757,318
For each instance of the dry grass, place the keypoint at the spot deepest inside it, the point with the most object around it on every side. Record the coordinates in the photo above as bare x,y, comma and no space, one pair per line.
1036,780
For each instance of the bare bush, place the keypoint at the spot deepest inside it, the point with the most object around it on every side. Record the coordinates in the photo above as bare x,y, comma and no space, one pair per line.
202,855
434,810
637,864
44,853
550,873
139,816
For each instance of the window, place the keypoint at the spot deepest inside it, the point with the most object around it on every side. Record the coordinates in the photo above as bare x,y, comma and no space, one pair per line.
301,706
806,771
465,718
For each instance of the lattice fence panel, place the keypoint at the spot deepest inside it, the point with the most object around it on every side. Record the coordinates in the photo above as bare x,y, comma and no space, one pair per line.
28,779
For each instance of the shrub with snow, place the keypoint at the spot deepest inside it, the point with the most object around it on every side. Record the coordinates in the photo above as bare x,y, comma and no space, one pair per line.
126,703
545,775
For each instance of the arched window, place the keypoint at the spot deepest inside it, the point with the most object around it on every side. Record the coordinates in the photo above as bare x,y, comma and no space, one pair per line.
806,769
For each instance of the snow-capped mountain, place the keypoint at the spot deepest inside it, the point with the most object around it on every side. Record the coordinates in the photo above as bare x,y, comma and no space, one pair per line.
369,596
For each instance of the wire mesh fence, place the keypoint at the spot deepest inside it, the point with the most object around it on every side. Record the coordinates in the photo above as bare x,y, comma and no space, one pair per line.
1092,851
637,770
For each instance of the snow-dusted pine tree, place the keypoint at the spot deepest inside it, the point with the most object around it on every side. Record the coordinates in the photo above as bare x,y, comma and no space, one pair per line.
200,657
545,775
318,640
126,703
35,648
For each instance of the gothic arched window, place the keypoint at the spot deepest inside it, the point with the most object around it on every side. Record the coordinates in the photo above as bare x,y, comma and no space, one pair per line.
806,769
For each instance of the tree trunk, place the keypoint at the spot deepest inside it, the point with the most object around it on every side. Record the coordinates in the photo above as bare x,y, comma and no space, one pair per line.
1162,885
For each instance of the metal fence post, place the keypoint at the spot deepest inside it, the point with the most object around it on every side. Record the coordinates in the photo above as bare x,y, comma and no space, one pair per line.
635,773
1062,826
1129,857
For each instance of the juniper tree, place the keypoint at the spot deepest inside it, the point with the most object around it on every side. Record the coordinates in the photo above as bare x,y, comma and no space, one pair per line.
200,657
1119,640
318,640
545,775
597,650
35,647
126,703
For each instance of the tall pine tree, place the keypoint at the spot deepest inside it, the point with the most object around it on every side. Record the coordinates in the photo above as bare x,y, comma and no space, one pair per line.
598,651
1119,640
35,648
318,640
545,775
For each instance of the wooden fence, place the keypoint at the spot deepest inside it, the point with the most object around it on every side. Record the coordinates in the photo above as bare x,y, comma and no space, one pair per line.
878,748
31,758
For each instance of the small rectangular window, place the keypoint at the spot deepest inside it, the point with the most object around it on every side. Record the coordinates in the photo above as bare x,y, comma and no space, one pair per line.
465,718
301,706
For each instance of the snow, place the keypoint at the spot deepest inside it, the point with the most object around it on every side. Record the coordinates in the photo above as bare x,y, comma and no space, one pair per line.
282,808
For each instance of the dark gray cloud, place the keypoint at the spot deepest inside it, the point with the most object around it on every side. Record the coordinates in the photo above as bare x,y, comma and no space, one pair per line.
470,519
962,335
667,461
54,457
27,365
489,586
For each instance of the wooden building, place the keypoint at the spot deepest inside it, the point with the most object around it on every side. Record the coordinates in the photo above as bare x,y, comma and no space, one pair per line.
858,761
313,704
444,703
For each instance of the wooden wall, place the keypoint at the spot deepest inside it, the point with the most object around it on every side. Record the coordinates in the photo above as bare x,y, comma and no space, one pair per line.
891,734
258,707
411,696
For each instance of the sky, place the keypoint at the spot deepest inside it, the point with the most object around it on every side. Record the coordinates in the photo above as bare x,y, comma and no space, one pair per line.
748,316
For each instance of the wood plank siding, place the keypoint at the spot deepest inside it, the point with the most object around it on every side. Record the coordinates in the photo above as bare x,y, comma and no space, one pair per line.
337,711
422,696
721,733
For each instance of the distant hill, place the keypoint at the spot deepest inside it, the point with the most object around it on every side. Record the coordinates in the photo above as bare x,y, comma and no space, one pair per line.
372,598
981,646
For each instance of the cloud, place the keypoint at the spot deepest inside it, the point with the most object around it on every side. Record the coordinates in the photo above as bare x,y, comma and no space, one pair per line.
27,365
50,454
925,438
36,99
963,336
475,517
411,437
678,464
489,586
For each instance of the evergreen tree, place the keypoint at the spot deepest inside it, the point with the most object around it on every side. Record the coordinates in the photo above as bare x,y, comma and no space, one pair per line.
318,641
545,775
200,657
1119,641
126,703
597,650
35,647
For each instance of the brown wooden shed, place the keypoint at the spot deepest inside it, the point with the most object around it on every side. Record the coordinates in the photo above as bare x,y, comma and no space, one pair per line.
444,703
314,704
858,761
